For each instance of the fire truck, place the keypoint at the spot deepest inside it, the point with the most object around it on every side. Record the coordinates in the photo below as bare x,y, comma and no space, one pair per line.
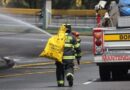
111,47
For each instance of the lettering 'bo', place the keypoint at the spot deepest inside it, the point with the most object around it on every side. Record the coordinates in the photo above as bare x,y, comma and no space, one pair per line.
125,37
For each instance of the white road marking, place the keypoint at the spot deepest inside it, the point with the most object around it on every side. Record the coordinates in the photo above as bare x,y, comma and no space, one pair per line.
89,82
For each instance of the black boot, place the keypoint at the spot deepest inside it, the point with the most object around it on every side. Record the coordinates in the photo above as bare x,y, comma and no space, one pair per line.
60,83
70,80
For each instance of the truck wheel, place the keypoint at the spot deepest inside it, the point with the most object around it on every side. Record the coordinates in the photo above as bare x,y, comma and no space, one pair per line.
116,75
119,74
104,73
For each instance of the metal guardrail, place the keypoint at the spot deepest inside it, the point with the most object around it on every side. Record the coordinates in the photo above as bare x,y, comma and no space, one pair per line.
77,18
70,12
56,21
74,21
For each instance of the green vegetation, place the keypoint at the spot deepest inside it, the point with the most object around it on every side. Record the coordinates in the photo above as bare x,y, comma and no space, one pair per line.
71,4
56,4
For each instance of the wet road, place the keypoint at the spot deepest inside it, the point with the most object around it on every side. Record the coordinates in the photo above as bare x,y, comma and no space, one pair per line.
39,74
43,78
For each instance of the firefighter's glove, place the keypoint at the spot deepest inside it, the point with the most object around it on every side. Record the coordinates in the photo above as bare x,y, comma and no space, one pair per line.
78,59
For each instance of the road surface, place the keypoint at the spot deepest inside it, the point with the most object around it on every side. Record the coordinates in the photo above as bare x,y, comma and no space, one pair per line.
40,75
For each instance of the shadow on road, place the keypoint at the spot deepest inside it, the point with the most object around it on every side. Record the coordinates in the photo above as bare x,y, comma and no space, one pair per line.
127,78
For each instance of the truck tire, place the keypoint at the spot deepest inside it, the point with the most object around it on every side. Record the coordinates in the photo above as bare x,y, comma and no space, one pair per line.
104,73
119,73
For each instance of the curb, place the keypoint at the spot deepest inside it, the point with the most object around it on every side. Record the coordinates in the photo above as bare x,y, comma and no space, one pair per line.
33,64
44,64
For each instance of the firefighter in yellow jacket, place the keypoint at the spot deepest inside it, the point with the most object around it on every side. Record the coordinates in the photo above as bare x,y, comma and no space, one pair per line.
66,69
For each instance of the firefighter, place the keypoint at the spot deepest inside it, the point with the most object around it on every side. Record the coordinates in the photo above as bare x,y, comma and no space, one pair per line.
66,68
78,56
106,20
76,34
107,5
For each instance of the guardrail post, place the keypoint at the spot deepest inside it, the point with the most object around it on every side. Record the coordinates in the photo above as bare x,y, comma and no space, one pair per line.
46,10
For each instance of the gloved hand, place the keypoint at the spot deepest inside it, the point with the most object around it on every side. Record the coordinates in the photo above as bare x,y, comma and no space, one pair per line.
78,59
78,62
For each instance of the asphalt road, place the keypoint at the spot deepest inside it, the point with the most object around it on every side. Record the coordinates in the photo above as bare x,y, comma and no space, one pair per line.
36,73
43,78
39,74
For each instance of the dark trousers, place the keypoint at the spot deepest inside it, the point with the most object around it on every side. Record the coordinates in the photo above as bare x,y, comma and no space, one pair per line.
62,69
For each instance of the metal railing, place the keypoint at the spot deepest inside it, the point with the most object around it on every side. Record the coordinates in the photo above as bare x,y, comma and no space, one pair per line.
74,21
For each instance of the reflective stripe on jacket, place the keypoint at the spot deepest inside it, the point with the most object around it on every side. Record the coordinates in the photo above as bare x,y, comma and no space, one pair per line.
78,40
78,46
70,47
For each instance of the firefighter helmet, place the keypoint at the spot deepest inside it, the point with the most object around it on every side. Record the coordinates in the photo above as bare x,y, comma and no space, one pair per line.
76,34
68,28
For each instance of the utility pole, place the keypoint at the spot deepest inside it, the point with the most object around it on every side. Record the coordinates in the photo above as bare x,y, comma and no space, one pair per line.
46,11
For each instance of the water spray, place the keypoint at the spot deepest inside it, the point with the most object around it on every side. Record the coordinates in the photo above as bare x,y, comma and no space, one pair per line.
24,23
